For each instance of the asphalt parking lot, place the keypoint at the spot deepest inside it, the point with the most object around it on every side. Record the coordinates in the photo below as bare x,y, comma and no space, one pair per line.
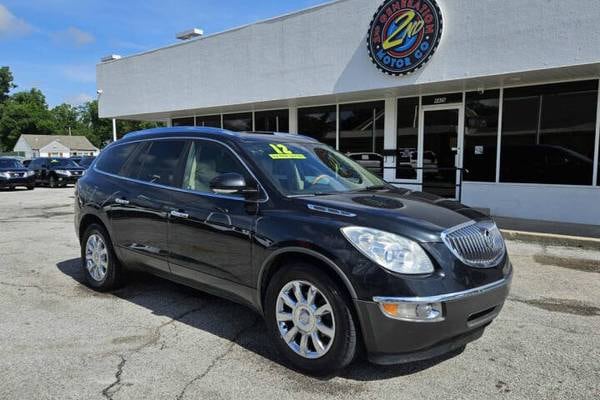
157,340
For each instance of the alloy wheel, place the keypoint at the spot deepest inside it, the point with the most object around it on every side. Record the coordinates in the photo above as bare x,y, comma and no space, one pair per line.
96,257
305,319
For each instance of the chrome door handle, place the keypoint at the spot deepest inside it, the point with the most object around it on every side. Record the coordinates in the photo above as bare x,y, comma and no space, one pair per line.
122,201
178,214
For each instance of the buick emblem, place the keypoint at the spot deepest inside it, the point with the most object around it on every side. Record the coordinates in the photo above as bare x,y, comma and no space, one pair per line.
488,239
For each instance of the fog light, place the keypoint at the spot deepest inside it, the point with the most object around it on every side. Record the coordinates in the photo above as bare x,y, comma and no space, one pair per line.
414,312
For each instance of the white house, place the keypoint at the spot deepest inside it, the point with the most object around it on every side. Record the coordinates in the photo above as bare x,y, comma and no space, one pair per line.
55,146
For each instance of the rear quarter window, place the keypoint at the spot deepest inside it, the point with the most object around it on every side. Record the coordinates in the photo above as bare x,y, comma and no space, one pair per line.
113,159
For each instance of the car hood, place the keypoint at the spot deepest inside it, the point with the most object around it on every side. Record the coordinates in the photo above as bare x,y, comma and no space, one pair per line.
418,215
13,170
68,168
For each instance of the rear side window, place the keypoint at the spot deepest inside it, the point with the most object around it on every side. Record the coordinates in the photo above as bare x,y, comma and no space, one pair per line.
114,158
158,162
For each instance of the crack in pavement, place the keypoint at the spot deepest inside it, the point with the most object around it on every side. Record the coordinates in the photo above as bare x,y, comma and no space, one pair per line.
112,389
214,362
48,290
155,336
107,391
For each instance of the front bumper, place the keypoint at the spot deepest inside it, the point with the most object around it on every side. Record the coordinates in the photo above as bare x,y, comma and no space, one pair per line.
14,182
67,179
465,316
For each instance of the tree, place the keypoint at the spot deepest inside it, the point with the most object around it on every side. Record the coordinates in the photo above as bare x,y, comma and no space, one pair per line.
24,113
66,119
99,130
6,83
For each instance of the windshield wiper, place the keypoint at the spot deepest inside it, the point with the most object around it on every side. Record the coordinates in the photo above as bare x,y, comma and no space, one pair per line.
375,188
311,194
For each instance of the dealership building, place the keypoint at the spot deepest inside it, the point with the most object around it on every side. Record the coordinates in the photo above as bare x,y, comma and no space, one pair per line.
491,102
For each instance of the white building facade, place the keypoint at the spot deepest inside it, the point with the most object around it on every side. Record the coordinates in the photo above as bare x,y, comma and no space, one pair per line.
32,146
491,102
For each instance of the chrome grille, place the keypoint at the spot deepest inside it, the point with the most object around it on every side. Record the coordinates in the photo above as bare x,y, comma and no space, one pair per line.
477,244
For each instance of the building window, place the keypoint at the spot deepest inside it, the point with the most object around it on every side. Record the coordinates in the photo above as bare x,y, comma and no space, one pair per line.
407,138
237,122
481,136
361,127
183,121
319,123
272,121
548,134
213,121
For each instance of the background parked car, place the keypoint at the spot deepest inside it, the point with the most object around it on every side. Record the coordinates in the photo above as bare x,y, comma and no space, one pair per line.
56,172
86,161
13,174
373,162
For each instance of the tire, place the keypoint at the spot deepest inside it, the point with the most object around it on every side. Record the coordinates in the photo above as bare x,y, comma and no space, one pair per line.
30,187
52,181
110,277
339,350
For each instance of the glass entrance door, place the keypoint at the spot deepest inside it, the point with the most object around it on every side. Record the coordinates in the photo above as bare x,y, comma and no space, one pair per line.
440,153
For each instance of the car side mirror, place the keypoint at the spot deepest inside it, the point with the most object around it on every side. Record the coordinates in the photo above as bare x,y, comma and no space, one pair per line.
231,183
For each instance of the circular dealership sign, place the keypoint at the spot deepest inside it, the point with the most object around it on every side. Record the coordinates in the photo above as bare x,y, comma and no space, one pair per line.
404,34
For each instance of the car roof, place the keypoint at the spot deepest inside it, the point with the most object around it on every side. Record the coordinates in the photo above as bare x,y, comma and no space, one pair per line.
216,133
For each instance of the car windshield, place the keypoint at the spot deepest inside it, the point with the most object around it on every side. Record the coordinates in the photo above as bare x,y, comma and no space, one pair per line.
8,163
63,162
305,169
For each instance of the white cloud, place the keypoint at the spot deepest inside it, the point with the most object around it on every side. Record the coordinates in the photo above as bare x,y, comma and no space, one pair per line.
73,36
10,25
84,73
78,99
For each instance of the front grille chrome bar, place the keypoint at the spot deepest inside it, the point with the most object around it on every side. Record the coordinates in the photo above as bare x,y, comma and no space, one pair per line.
477,244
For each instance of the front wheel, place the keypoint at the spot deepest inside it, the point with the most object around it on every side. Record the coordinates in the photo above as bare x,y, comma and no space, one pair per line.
309,317
98,260
31,187
52,182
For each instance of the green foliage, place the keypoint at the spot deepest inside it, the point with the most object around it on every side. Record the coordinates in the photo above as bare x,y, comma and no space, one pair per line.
28,113
6,83
24,112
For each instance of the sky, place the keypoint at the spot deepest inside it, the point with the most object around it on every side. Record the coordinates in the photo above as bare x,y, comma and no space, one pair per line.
54,45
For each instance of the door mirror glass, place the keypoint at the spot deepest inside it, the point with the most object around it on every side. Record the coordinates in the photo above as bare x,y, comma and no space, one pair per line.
230,183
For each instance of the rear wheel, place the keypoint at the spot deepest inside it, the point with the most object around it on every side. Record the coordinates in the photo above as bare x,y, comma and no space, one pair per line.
31,187
309,317
98,260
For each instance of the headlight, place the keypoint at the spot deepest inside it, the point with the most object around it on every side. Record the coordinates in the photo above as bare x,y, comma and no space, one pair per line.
63,172
5,174
391,251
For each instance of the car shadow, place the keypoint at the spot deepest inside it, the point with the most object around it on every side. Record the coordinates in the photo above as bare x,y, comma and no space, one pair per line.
153,293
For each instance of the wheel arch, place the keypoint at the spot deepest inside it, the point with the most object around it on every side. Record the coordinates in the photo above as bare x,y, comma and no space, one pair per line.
278,259
88,220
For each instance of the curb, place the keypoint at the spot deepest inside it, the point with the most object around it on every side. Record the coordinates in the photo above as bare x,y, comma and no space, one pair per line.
553,239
